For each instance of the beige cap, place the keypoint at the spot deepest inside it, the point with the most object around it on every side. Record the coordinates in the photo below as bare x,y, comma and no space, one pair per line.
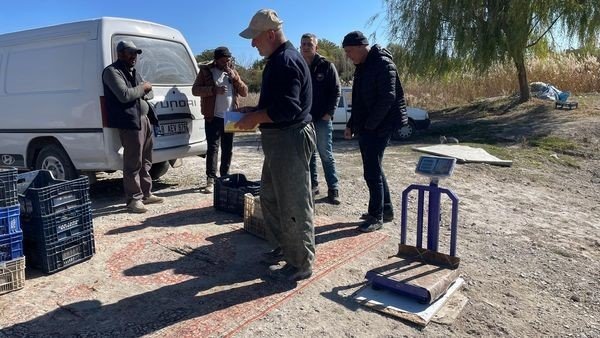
262,21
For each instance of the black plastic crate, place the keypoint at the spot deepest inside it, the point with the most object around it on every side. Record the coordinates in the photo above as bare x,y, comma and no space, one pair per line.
8,187
10,220
230,190
66,253
11,246
59,226
40,194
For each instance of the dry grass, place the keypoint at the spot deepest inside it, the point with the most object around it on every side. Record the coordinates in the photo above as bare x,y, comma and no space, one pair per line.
250,100
565,71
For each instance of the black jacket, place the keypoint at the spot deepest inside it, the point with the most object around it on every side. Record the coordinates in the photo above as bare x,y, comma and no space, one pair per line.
326,87
125,115
378,103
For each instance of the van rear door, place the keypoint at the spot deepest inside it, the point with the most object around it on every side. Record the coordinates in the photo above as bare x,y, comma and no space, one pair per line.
170,68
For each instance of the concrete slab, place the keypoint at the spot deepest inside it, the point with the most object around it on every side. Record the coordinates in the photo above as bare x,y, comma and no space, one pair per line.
464,154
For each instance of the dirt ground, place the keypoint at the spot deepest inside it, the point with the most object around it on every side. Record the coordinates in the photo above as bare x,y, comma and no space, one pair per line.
529,243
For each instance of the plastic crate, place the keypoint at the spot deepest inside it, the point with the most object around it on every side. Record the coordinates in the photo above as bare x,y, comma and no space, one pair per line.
253,219
230,190
8,187
56,227
11,246
40,194
10,220
66,253
12,275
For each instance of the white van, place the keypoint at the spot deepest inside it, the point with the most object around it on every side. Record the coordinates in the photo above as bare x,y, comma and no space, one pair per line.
418,119
51,96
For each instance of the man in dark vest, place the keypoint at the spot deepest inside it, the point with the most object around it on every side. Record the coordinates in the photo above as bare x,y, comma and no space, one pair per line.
125,94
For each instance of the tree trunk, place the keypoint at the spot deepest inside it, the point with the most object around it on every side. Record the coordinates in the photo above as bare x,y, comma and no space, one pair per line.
522,75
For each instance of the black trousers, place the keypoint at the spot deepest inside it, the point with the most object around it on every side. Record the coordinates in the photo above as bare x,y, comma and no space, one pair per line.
372,147
214,135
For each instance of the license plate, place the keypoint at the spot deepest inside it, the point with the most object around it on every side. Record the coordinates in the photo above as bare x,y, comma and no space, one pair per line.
167,129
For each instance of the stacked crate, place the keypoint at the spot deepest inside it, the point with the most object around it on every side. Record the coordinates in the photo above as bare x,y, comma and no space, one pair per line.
230,190
12,261
56,218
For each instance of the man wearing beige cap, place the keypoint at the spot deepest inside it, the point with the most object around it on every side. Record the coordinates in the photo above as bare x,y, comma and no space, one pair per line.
288,141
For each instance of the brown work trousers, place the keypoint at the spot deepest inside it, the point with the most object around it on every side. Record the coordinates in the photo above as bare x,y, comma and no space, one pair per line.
137,160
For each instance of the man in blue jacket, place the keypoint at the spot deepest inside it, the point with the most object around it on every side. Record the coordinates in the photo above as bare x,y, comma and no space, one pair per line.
125,94
378,109
288,141
326,93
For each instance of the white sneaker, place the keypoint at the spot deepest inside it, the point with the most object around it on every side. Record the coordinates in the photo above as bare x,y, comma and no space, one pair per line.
210,184
136,206
153,199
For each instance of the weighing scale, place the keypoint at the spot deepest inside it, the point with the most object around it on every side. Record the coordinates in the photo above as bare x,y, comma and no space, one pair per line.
423,274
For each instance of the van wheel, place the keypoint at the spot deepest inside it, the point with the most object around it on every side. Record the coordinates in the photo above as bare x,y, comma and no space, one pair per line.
53,157
405,132
159,169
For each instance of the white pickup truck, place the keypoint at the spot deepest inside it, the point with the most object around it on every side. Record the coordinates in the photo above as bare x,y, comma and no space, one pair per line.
418,119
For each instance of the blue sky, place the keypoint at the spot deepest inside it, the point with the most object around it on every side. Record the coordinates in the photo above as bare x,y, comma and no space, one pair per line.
206,24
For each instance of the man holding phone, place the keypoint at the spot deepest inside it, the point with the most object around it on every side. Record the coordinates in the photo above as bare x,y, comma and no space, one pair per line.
219,86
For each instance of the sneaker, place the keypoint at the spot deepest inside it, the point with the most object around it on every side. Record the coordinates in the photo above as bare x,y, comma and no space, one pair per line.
136,206
387,216
333,197
210,183
370,224
152,199
315,189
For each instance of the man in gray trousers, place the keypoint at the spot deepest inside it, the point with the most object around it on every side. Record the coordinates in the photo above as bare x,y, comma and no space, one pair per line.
288,141
125,94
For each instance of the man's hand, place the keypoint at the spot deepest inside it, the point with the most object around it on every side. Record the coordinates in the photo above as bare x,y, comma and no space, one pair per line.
348,134
147,86
326,117
248,121
220,90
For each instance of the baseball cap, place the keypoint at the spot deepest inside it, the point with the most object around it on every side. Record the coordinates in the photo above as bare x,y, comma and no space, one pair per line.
123,45
263,20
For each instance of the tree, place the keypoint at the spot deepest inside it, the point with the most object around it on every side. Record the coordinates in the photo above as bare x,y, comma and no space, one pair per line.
480,32
206,56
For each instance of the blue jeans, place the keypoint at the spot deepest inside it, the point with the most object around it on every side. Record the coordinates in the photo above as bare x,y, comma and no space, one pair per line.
324,130
372,147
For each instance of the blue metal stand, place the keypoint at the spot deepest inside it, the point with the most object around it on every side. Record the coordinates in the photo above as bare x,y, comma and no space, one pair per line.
433,216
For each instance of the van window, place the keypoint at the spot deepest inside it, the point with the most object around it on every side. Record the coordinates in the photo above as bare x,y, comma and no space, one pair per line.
161,62
61,66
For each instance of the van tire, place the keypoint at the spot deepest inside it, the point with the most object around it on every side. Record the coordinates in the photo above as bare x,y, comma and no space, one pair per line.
159,169
53,157
405,132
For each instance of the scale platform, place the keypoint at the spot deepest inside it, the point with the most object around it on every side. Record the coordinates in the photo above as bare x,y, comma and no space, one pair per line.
414,278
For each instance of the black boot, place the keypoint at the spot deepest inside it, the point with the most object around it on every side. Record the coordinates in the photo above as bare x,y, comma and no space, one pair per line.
333,196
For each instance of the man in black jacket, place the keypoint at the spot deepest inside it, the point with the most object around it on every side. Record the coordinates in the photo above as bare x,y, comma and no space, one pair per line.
378,109
125,94
326,93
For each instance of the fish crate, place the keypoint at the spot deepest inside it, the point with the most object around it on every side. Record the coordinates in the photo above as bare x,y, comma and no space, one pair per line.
40,194
566,105
10,220
8,187
12,275
71,251
11,246
50,229
230,190
253,218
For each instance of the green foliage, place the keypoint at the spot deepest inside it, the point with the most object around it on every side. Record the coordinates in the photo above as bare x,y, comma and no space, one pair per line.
441,35
206,56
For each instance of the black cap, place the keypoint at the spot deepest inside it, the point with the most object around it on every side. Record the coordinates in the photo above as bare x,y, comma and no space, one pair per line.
222,52
355,38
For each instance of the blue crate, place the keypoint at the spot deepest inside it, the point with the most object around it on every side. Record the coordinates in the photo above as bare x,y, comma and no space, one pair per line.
71,251
8,187
11,246
40,194
10,220
59,226
230,190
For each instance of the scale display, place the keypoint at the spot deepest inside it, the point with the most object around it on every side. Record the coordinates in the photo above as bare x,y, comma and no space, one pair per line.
434,166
